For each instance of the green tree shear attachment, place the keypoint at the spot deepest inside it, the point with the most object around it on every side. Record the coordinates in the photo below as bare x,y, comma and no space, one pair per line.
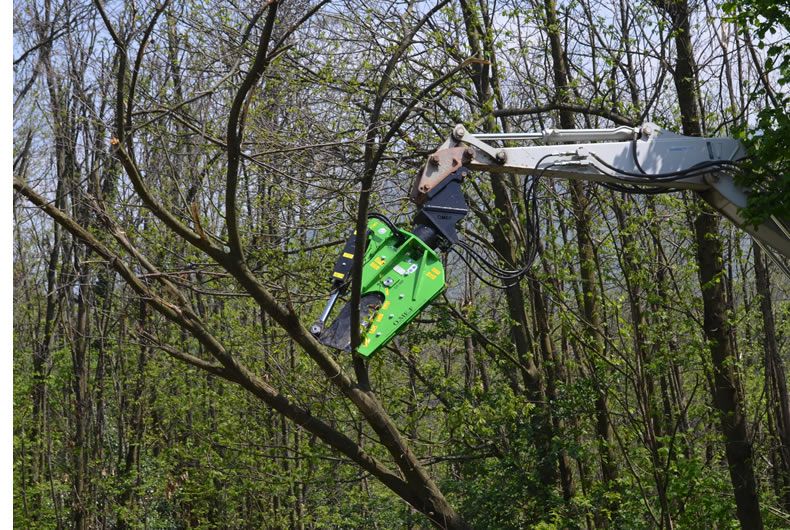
400,276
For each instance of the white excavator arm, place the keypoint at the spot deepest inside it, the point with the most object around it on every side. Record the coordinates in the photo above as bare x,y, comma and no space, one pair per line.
626,158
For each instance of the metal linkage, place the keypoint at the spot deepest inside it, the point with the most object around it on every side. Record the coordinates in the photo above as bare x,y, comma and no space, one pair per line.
565,135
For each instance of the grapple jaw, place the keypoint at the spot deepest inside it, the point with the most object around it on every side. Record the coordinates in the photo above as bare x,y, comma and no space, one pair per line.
400,276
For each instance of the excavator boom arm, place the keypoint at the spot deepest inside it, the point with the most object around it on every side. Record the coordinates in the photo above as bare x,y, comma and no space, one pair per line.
631,158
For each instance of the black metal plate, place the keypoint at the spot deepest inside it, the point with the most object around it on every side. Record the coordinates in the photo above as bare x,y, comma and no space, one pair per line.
338,334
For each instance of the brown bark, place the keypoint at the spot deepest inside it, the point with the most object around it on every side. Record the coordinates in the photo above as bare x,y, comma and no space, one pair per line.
508,243
64,168
555,373
80,366
727,397
65,116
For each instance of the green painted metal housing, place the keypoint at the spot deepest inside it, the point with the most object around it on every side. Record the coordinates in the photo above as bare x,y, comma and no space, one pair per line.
406,272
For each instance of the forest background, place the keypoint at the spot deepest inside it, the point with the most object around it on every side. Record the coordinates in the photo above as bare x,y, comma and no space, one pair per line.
184,174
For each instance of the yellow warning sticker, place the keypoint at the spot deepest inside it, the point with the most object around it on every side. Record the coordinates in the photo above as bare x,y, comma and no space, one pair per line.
338,275
347,255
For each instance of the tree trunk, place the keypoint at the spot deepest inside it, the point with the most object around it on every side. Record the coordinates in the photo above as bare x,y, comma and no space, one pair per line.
727,397
775,382
80,365
587,268
506,242
555,373
717,329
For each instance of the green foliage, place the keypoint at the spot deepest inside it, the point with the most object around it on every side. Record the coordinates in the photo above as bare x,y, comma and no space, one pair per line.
767,140
212,455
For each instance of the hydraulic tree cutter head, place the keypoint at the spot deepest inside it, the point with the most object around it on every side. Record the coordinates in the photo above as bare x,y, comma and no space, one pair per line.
400,276
402,271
